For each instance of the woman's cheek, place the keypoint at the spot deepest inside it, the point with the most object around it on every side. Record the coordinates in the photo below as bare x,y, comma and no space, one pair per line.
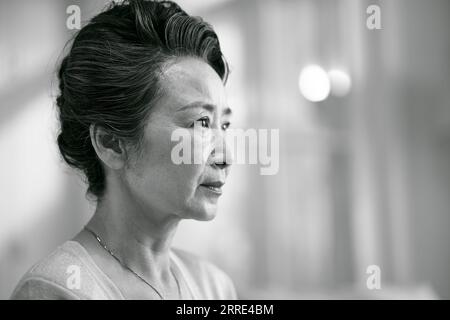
202,146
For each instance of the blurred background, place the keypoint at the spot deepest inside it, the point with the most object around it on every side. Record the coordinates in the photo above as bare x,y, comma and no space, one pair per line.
364,119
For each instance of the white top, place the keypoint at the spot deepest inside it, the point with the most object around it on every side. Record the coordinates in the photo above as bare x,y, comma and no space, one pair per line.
52,277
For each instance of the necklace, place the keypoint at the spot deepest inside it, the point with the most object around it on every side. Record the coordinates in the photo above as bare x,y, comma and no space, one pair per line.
103,245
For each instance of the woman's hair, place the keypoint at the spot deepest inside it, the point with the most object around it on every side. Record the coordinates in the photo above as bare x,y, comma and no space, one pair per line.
110,76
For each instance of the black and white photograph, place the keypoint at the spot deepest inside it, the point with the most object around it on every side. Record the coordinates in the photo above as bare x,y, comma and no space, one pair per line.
225,150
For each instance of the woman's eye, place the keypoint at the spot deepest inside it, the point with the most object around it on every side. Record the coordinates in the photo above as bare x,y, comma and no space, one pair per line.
204,122
225,126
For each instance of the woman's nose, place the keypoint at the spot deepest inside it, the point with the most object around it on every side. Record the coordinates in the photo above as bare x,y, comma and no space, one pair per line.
221,154
220,162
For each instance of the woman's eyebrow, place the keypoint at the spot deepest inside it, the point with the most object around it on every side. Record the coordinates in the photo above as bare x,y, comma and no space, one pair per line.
207,106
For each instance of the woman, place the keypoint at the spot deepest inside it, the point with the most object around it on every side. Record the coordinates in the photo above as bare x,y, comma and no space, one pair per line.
135,74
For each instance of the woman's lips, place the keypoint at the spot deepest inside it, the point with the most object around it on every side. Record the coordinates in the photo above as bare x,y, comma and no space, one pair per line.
213,187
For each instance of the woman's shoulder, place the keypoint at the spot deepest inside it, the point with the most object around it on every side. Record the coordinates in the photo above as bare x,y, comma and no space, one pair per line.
66,273
208,280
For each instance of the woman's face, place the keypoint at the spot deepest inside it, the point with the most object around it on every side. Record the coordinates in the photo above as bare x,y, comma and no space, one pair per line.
193,99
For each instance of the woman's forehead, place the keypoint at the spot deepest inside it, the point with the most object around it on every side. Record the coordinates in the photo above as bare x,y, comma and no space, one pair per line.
191,80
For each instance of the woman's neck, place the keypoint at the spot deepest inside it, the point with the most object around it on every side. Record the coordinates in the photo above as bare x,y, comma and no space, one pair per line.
141,240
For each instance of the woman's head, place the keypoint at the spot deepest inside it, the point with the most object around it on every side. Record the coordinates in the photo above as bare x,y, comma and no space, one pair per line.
124,87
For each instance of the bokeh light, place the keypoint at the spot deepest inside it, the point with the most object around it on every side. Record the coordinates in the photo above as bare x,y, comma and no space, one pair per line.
340,81
314,83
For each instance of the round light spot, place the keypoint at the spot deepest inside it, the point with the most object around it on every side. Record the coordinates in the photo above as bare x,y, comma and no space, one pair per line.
314,83
340,82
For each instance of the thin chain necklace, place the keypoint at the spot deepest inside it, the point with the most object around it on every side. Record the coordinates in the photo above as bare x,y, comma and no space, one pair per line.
103,245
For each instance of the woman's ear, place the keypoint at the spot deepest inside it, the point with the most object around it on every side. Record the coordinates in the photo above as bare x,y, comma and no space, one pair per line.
109,148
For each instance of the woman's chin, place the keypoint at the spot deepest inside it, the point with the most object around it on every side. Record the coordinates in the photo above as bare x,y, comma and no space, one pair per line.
206,212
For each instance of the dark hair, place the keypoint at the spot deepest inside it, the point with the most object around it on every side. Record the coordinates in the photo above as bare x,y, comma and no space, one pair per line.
110,76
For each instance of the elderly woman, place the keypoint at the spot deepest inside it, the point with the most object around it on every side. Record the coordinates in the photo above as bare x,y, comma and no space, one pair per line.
134,74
